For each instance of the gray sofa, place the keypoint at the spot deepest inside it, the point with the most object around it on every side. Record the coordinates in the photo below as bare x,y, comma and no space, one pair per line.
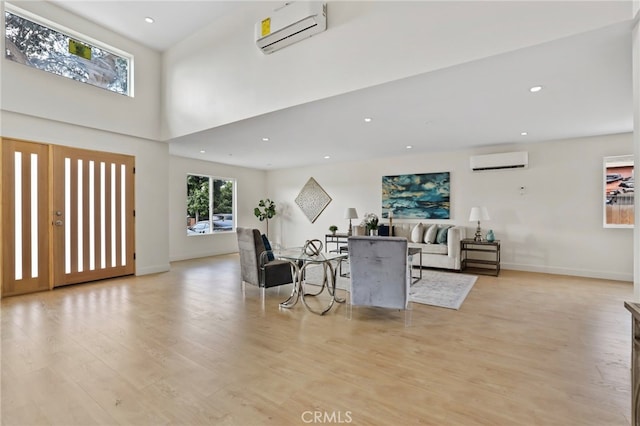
444,255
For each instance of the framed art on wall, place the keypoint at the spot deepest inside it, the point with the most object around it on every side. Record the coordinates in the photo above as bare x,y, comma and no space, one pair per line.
619,192
417,196
312,199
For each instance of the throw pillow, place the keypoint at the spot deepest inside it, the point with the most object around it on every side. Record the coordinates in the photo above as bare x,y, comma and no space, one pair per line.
431,234
417,233
267,246
443,231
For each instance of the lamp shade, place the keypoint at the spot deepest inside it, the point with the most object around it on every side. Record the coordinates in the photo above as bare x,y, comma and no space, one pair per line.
350,213
478,213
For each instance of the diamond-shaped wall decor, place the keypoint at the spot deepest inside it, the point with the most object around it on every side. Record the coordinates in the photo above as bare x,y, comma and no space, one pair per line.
312,199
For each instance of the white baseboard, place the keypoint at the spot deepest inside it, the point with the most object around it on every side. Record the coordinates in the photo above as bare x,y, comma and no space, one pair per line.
189,256
152,269
604,275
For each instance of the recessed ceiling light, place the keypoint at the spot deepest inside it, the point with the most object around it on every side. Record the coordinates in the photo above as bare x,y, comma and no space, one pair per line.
367,119
202,151
409,146
326,157
265,139
149,20
524,134
535,89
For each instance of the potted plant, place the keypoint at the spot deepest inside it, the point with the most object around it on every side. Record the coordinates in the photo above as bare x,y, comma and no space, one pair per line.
370,222
333,229
266,210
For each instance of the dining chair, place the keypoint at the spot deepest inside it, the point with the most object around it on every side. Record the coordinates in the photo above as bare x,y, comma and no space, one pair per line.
257,264
380,273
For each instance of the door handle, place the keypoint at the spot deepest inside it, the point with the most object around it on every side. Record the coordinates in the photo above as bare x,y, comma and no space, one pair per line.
58,223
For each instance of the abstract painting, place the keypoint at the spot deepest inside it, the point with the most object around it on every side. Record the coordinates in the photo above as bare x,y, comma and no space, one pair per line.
417,196
312,199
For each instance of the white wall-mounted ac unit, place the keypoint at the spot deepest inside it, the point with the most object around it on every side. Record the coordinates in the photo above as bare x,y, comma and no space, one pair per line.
289,24
505,160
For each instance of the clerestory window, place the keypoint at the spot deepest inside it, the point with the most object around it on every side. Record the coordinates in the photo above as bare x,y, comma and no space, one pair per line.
29,41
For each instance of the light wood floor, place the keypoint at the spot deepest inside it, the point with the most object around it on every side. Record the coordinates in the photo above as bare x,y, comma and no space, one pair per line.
190,347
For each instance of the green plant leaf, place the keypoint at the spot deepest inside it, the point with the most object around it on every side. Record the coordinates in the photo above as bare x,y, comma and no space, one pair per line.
266,209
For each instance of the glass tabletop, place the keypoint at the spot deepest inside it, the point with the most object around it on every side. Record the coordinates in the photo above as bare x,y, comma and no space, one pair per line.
298,254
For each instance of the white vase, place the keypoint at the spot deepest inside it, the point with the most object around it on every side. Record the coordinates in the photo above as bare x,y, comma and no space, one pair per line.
373,232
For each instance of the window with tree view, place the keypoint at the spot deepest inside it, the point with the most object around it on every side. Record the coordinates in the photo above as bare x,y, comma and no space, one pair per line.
210,204
38,46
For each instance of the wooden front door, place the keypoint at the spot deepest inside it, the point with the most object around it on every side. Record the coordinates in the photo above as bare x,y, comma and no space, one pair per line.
92,215
67,216
25,217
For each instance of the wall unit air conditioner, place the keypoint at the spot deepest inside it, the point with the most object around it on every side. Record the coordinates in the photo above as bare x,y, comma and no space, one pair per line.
289,24
505,160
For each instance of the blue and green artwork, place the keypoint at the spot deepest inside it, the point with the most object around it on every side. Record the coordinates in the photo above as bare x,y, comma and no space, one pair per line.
417,196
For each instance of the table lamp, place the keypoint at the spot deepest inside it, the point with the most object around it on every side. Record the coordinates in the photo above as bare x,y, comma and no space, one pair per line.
350,213
477,214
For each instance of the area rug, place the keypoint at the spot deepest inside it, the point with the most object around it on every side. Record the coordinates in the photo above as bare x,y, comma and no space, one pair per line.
443,289
313,276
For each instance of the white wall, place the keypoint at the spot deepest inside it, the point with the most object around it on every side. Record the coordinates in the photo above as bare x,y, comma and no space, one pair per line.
43,107
250,186
152,163
555,227
636,137
218,75
38,93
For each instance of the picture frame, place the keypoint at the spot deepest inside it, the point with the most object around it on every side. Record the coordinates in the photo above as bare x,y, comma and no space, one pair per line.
312,199
618,192
417,196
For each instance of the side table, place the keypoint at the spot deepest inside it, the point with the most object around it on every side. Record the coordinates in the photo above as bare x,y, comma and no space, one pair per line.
340,240
489,260
634,308
412,251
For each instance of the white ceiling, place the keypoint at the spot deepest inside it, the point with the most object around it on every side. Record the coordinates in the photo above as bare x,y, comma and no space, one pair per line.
586,79
587,90
174,20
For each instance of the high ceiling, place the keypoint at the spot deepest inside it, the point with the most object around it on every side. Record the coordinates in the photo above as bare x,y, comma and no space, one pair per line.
586,80
174,20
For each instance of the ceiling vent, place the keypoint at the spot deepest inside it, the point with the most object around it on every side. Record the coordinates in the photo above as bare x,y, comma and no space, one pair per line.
505,160
289,24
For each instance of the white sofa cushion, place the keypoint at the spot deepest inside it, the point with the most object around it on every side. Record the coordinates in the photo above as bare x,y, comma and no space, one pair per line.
435,255
430,234
403,230
358,230
417,233
431,248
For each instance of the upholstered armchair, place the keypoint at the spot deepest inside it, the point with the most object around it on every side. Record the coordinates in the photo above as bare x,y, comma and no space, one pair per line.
380,272
257,265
